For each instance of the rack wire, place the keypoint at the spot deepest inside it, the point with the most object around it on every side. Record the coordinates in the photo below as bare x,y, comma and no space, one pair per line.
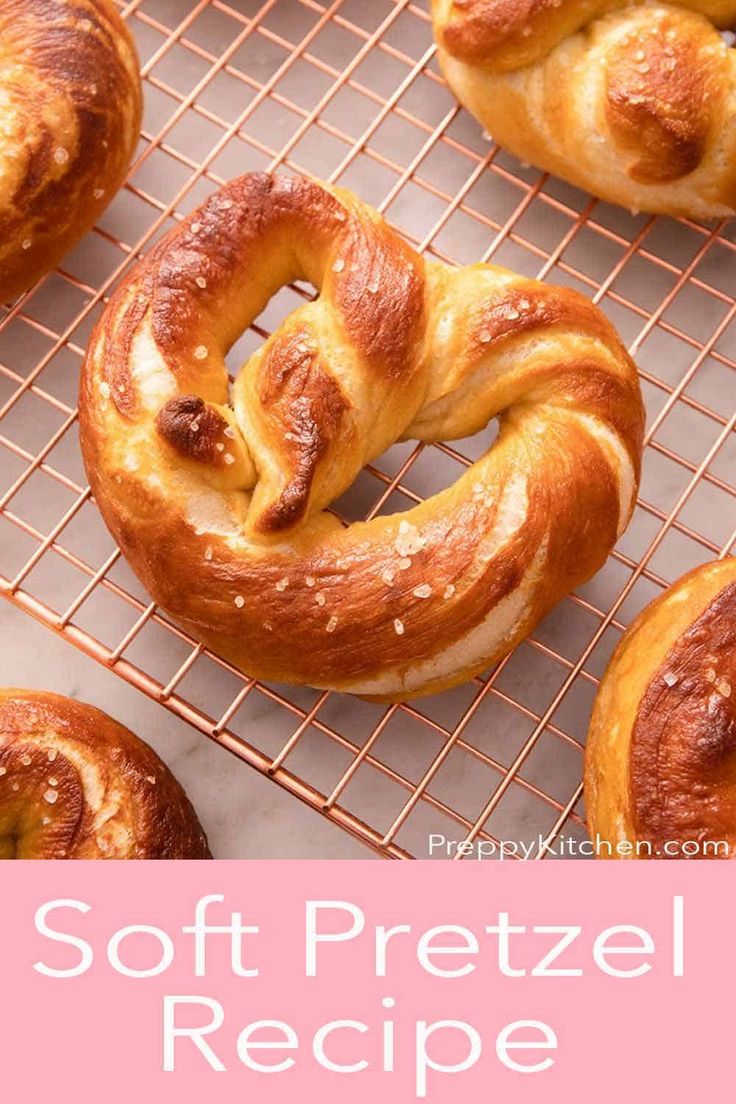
351,92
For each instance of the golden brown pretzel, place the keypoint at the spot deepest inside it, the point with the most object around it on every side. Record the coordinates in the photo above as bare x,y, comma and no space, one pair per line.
70,100
660,776
74,784
634,102
220,508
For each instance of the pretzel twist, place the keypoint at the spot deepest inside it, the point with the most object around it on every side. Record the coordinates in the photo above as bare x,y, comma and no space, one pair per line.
70,101
634,102
220,508
74,784
660,773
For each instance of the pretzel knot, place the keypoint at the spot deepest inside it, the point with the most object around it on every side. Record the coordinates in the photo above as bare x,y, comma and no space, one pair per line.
220,505
632,101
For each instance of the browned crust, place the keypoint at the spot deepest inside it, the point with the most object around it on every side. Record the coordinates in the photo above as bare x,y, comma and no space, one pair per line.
47,742
194,430
682,770
309,413
663,97
521,310
121,329
315,603
659,763
488,30
632,102
69,71
227,234
510,34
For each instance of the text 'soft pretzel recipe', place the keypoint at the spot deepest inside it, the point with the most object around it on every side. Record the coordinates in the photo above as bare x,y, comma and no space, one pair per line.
70,99
75,784
219,502
636,102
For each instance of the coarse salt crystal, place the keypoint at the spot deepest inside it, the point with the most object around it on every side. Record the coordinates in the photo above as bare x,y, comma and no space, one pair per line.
310,580
422,591
670,679
201,352
282,584
239,601
399,627
448,591
331,625
51,796
338,266
201,282
408,540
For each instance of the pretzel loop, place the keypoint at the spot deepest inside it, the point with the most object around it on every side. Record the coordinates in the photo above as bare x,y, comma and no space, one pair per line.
221,506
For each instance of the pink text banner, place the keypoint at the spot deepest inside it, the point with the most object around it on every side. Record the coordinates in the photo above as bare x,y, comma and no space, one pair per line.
369,981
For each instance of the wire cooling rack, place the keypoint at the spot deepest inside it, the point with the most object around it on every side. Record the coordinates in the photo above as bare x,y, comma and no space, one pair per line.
350,91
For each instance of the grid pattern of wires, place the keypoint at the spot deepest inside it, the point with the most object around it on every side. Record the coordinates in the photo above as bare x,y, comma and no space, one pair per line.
351,92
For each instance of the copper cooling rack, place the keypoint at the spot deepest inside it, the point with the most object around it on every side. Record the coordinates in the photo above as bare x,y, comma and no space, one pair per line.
350,91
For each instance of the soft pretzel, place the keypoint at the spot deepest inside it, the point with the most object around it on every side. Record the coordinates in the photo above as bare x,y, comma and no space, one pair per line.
660,779
71,103
636,102
75,784
220,506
